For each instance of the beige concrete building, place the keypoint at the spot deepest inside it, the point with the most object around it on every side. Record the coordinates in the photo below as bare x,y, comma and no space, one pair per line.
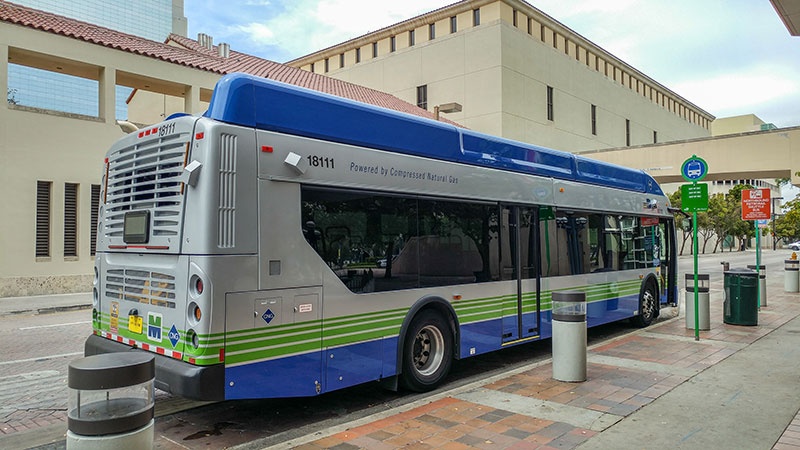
51,161
518,73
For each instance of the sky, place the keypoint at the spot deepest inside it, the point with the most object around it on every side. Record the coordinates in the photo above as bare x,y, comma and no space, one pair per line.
729,57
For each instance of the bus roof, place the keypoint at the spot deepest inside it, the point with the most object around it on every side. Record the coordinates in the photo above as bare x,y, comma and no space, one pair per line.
251,101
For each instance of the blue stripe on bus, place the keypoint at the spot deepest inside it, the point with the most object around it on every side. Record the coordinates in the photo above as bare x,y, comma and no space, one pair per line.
255,102
295,376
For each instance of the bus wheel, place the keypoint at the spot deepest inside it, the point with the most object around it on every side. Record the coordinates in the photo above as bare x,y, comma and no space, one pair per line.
427,352
647,307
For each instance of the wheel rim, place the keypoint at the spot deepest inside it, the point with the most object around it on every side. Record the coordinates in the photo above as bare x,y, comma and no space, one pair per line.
428,350
648,304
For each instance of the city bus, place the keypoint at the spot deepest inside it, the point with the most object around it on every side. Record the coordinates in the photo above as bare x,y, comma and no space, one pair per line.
289,243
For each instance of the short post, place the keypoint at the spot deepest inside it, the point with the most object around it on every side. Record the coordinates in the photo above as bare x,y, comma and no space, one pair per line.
703,309
111,402
762,283
791,275
726,266
569,336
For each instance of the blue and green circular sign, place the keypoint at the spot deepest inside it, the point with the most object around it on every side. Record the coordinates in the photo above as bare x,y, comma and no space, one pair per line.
694,169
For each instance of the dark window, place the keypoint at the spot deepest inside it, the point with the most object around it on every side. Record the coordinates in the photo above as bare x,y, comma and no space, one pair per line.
572,245
453,24
341,60
312,67
393,44
411,38
376,242
95,202
577,52
476,17
640,246
541,32
422,96
43,190
358,55
514,17
374,49
627,132
326,65
432,31
549,103
566,46
70,219
655,137
555,39
594,120
530,26
511,219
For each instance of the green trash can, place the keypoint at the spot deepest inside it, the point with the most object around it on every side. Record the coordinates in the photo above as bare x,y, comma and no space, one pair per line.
741,297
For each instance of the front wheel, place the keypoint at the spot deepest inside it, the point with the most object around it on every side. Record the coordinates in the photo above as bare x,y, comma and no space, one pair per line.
427,352
647,307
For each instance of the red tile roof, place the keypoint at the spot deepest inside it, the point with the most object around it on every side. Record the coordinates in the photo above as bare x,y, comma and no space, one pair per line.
198,57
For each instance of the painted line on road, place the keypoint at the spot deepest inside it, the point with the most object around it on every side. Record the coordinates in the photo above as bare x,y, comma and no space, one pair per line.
41,358
57,325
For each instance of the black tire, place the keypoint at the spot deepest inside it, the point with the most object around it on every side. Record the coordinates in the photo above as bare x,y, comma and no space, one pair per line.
648,306
427,352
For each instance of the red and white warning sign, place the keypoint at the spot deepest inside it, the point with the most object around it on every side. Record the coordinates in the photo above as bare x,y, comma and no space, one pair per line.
756,204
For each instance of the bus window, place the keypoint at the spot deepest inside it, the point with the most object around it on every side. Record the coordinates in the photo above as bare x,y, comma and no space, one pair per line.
572,235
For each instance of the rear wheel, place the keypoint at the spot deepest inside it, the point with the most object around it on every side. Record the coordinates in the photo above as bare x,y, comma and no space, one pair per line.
427,352
647,306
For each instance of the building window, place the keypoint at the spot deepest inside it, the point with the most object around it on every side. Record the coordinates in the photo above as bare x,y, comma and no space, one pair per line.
411,38
341,60
422,96
432,31
627,132
312,67
594,120
95,202
549,103
541,32
655,137
530,25
453,24
327,65
577,52
374,49
70,219
43,190
358,55
566,46
476,17
555,39
393,44
514,18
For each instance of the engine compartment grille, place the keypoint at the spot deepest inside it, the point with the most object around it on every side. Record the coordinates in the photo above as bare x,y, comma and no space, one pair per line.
141,286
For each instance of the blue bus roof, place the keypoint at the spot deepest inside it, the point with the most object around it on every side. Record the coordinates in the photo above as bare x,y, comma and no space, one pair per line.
251,101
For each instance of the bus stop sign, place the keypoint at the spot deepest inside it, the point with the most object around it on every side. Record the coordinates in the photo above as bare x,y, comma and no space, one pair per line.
756,204
694,169
694,197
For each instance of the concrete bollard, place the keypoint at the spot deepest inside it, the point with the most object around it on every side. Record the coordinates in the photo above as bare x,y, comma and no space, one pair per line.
569,336
791,275
703,307
111,402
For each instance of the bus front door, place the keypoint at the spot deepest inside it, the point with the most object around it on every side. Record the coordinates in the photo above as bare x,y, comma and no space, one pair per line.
519,256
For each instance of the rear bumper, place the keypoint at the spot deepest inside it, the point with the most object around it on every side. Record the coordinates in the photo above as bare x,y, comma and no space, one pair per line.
173,376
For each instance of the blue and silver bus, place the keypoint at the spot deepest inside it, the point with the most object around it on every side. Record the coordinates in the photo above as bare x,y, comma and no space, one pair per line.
290,243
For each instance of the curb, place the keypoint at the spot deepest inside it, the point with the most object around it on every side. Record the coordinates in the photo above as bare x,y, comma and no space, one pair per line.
48,310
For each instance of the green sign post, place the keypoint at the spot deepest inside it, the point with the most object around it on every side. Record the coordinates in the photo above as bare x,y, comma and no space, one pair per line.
694,198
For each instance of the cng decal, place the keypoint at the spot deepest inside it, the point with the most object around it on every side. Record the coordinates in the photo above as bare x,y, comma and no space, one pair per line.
154,326
174,336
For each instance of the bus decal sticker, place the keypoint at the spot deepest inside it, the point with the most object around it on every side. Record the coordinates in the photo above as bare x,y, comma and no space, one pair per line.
268,316
154,326
114,317
174,336
305,307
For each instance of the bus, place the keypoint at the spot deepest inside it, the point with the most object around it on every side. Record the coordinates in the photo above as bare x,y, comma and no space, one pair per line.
289,243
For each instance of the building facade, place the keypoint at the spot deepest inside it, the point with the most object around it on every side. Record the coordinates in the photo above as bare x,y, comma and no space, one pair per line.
517,73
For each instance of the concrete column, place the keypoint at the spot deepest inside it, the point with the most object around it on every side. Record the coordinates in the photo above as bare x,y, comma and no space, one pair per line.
4,73
108,90
191,100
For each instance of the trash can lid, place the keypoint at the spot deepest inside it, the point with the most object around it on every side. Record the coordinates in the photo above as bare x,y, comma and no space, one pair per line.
742,272
111,370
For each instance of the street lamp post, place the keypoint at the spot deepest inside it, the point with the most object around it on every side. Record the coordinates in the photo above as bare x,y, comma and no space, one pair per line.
774,232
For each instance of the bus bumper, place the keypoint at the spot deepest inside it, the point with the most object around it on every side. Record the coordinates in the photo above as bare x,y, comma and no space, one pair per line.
173,376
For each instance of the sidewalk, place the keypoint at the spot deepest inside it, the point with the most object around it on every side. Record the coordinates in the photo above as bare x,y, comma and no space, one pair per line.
42,304
657,389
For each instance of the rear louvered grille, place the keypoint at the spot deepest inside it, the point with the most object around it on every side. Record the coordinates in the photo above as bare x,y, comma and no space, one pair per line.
146,177
227,191
141,286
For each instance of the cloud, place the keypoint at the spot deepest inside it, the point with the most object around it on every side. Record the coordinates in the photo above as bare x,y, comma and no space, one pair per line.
258,32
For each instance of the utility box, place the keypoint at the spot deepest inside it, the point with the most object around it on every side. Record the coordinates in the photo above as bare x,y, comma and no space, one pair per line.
791,275
569,336
111,402
703,308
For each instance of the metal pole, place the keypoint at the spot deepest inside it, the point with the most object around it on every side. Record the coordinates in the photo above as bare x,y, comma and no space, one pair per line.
696,307
758,265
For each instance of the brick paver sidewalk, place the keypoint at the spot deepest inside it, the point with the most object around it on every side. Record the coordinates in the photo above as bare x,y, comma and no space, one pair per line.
521,410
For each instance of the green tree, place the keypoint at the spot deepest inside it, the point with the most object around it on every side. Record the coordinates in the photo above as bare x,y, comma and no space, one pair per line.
743,230
788,225
719,218
686,231
11,96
